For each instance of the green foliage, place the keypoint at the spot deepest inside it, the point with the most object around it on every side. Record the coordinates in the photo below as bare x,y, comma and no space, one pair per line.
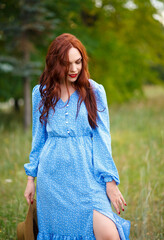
124,45
23,24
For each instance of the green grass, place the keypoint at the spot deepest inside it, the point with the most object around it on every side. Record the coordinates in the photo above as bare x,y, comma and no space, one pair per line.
138,150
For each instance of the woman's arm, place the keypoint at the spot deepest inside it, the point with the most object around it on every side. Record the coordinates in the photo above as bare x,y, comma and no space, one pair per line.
104,167
39,135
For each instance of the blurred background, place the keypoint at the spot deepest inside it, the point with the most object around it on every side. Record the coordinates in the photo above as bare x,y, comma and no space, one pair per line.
124,40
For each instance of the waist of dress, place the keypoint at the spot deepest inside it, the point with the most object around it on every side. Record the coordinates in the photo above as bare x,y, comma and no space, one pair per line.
54,134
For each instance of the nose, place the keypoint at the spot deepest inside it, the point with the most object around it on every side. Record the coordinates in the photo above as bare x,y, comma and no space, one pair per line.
73,68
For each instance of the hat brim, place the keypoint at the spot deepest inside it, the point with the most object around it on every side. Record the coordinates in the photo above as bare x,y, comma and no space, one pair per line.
28,229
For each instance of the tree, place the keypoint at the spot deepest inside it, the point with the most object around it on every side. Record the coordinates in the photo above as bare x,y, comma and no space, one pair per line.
124,44
23,24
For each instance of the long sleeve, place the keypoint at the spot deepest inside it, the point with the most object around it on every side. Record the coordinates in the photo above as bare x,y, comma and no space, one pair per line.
39,135
104,166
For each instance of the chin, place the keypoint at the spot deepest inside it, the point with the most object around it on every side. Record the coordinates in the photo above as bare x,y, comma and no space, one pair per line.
72,80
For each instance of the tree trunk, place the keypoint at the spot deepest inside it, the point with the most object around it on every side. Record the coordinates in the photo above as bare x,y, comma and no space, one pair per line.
16,105
27,95
27,103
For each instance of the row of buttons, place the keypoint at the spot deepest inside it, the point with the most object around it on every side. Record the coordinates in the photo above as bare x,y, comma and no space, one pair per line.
67,120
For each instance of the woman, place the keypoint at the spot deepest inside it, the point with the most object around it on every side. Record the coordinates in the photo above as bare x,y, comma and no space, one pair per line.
71,151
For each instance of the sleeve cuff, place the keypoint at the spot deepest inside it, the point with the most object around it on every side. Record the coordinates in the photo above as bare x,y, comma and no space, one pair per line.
110,179
30,170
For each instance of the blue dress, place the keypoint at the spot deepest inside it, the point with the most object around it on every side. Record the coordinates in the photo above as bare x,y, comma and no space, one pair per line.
72,163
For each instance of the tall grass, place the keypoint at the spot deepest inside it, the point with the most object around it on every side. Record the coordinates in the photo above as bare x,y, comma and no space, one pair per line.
138,150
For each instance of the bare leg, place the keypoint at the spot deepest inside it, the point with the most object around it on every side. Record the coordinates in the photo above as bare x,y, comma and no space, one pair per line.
104,228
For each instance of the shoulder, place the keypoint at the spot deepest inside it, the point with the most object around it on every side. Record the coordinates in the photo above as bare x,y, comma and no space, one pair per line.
99,90
96,86
35,90
36,95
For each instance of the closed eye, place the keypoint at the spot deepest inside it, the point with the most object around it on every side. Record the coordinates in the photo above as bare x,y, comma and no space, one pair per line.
68,63
79,61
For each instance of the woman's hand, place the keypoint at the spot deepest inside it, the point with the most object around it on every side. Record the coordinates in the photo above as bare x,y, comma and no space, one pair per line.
115,196
30,191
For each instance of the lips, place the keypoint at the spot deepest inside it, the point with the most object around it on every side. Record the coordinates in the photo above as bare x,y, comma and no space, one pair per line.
72,75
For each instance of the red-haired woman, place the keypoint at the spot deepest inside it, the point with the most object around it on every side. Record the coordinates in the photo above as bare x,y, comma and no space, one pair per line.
71,151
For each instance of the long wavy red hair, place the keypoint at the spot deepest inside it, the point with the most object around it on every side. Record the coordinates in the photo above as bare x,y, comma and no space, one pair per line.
56,69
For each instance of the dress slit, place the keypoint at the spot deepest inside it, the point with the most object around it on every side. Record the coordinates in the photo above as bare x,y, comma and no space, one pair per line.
121,226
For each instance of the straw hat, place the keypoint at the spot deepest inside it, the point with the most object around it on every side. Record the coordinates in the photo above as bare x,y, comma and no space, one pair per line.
28,229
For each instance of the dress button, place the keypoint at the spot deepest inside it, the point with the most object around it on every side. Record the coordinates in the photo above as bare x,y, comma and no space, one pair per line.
66,113
67,105
66,122
67,131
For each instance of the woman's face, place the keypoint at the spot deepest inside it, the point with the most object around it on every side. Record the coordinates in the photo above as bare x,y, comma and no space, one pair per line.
75,64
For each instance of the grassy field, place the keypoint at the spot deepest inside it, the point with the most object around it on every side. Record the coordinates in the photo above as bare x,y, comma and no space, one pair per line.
137,130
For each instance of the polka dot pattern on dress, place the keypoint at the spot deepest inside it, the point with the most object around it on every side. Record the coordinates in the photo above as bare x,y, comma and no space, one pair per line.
72,163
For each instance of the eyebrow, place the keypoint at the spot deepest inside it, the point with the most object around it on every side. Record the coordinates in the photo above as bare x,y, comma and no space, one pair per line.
77,59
